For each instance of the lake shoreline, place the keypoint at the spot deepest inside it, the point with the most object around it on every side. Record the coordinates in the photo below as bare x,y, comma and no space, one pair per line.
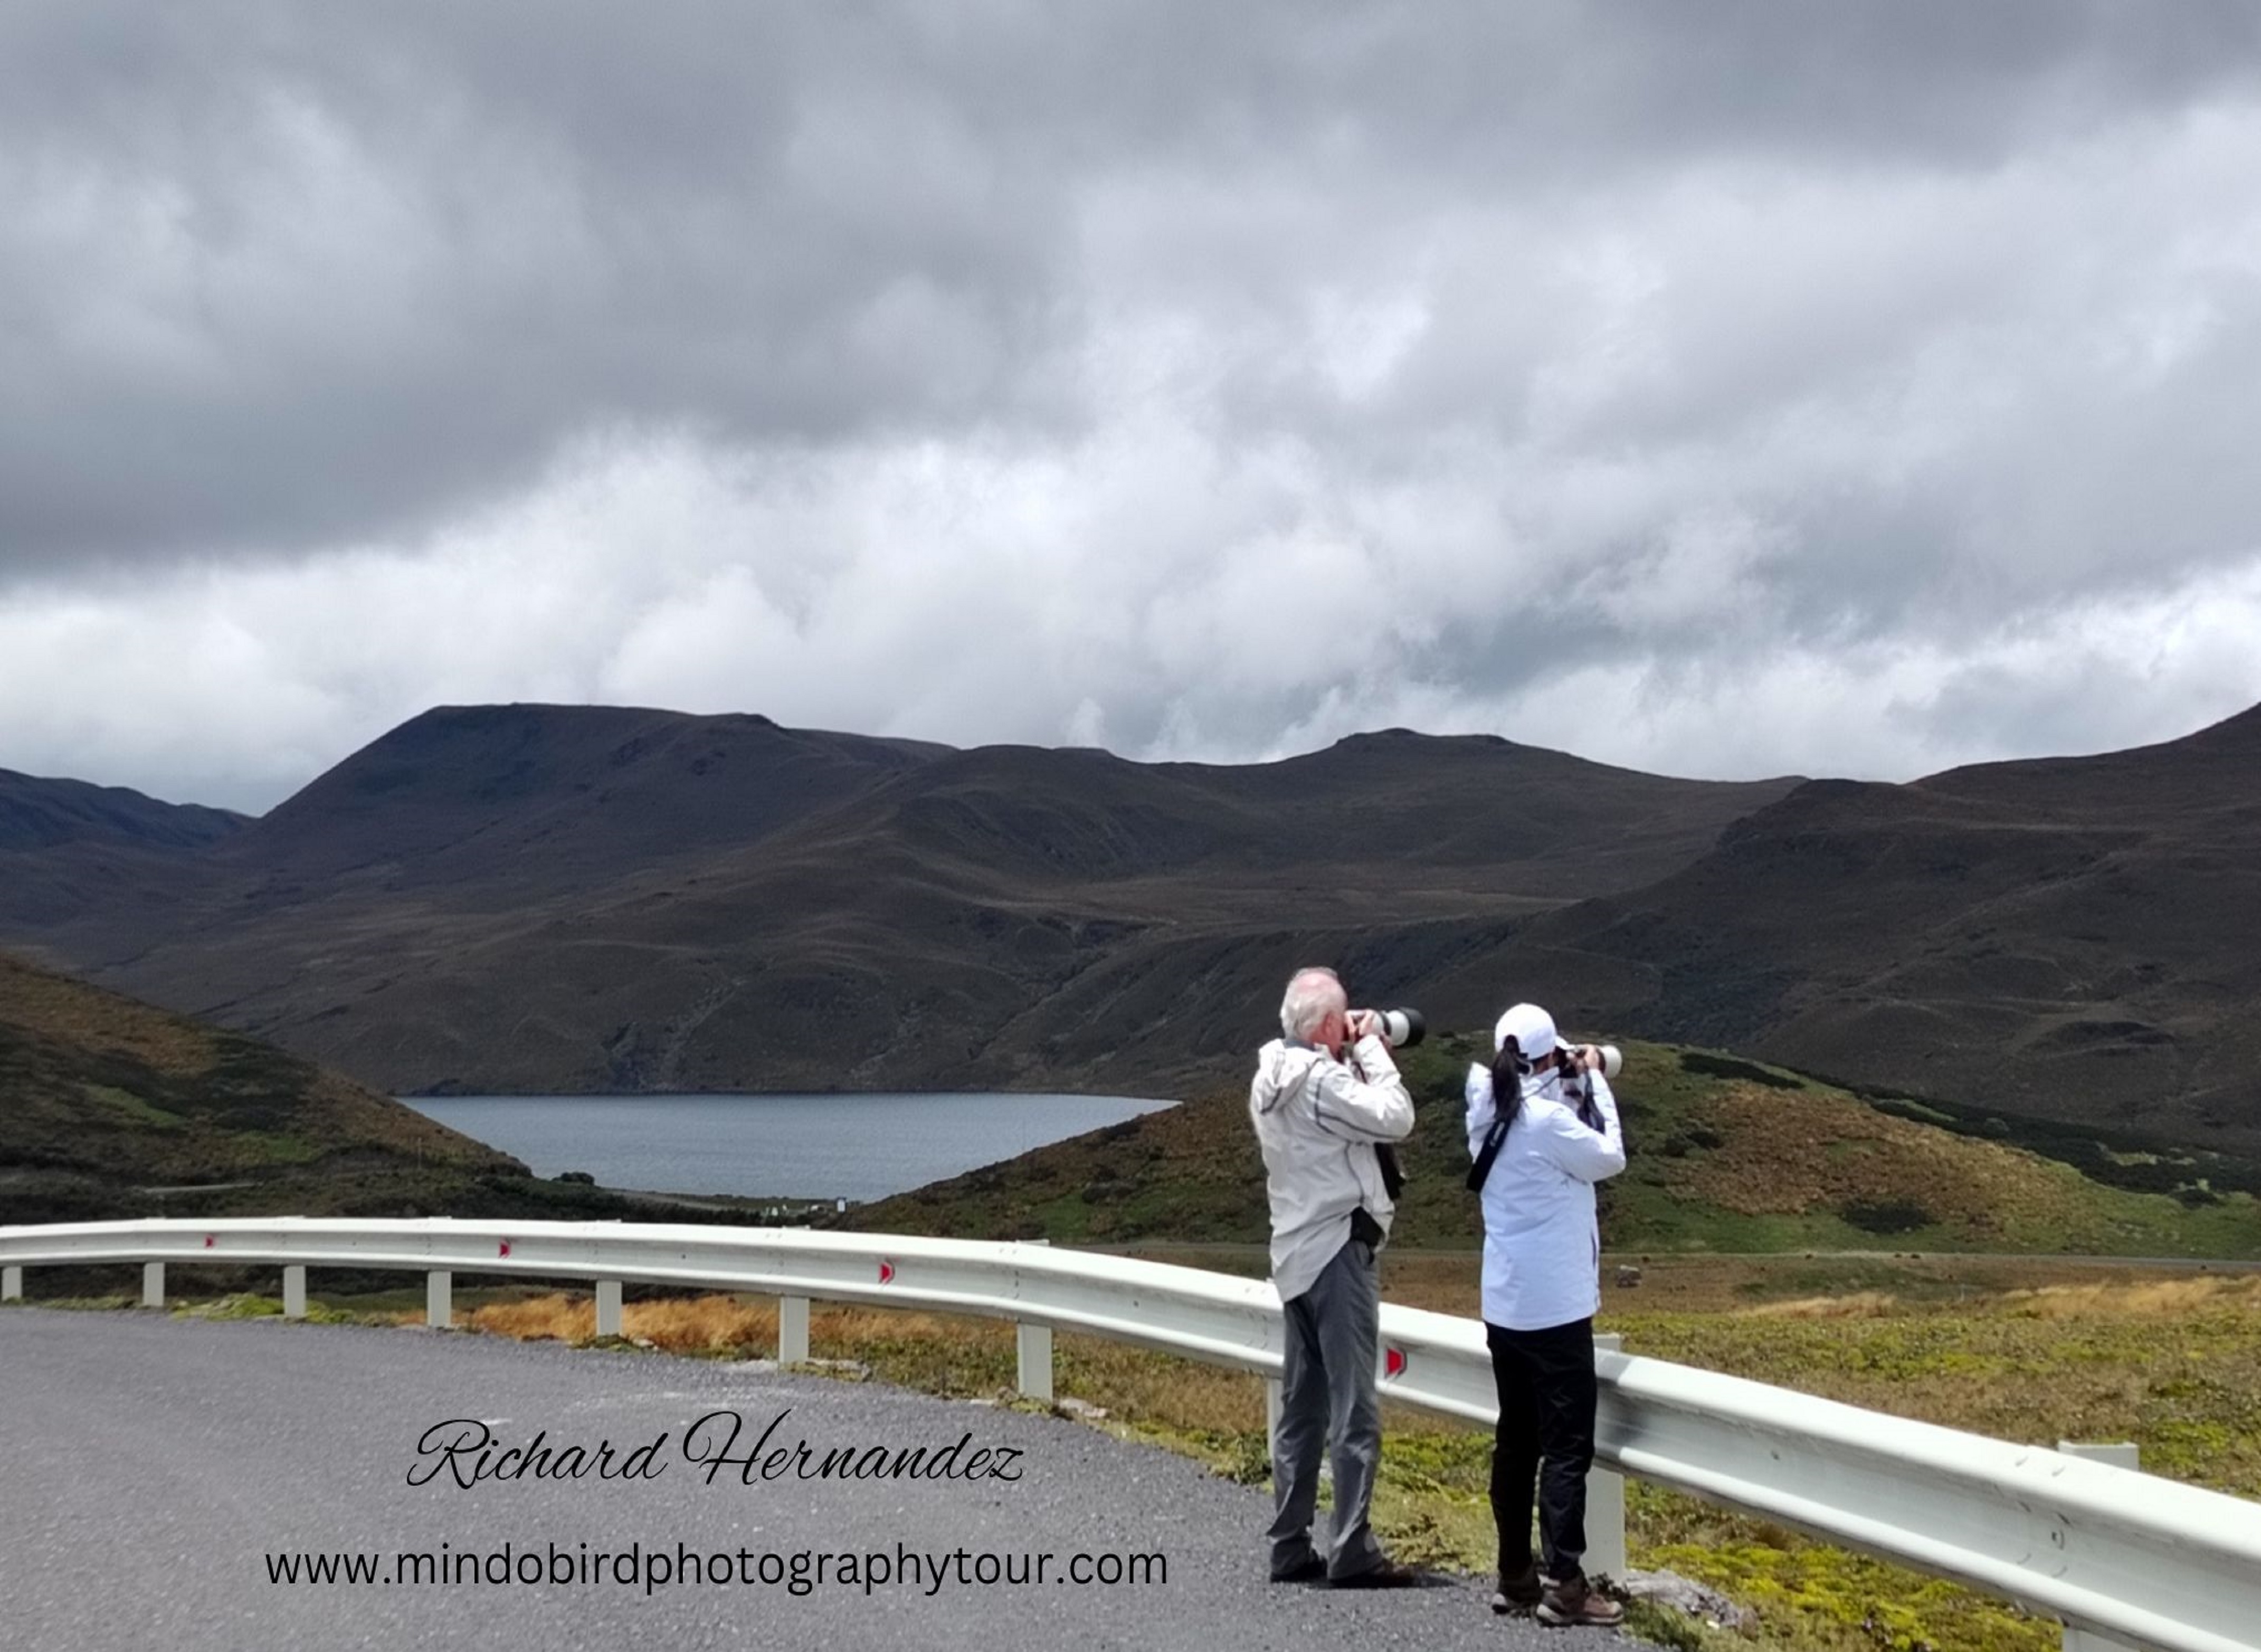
727,1149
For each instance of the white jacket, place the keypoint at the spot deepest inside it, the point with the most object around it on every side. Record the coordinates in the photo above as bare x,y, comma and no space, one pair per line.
1542,1254
1316,1120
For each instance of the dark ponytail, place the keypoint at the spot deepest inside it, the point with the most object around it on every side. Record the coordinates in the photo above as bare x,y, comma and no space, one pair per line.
1506,1103
1507,1070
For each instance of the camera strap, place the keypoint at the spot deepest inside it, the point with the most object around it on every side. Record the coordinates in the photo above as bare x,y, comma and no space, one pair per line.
1495,1139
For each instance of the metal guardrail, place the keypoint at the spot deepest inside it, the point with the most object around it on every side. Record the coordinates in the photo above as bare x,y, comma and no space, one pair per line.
2112,1552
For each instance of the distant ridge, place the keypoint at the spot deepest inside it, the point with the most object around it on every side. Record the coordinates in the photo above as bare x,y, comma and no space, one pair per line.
537,898
2066,937
554,794
44,814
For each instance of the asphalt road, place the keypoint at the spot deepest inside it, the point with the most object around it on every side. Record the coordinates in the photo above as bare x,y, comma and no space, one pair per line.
148,1466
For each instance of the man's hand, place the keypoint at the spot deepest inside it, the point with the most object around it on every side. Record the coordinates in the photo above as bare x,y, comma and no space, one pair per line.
1586,1057
1363,1023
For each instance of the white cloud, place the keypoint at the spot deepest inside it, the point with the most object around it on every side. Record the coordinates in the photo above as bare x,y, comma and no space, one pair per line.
1673,423
928,595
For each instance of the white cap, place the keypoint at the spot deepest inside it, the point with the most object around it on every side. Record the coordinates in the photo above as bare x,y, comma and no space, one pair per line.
1532,1028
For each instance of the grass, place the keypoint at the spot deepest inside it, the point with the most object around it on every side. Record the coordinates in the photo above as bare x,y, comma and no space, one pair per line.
1727,1155
101,1096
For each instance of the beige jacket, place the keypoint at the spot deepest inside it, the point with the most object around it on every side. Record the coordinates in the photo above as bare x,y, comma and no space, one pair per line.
1316,1120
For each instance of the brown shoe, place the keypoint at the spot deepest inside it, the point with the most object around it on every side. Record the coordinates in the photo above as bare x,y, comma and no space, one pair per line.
1518,1591
1571,1604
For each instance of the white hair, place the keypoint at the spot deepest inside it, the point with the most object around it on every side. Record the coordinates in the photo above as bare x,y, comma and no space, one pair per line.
1312,996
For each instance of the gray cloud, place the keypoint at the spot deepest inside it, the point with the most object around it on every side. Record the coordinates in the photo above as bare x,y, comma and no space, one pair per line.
998,370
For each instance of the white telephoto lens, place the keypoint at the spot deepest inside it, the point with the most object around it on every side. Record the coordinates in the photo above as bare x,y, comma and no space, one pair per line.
1395,1026
1612,1060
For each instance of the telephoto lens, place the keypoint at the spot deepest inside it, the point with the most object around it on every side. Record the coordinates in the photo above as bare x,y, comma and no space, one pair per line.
1402,1027
1612,1059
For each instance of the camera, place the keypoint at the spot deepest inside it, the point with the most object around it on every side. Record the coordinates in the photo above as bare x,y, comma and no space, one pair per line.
1576,1087
1402,1027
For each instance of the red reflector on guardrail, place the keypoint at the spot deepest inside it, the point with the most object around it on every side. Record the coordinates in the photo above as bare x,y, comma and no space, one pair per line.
886,1272
1393,1361
211,1239
503,1249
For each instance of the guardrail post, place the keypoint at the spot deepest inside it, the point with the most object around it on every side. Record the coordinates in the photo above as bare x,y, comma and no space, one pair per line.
608,1307
1035,1347
1606,1502
440,1298
793,1330
11,1284
153,1284
294,1290
2120,1454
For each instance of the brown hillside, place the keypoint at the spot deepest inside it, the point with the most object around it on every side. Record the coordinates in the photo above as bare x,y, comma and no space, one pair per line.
548,899
101,1097
2070,939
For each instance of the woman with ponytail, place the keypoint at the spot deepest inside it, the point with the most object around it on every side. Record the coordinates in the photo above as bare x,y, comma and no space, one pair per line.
1542,1129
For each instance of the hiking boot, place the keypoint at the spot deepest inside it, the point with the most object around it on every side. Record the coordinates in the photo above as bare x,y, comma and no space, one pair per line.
1388,1575
1572,1603
1310,1570
1518,1592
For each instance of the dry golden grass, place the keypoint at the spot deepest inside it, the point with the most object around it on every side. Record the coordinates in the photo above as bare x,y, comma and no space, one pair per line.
939,1351
1861,1305
1787,1155
2144,1298
696,1325
61,1008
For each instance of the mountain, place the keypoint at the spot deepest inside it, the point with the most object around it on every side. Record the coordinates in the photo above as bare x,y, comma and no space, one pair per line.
69,849
2069,938
531,898
532,798
40,814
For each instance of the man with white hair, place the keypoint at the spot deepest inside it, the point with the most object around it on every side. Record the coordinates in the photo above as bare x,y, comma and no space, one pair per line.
1326,1102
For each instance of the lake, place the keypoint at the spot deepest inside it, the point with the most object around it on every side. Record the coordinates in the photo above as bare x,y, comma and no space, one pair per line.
857,1147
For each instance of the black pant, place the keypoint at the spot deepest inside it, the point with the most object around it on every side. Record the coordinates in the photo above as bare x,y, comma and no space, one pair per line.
1547,1401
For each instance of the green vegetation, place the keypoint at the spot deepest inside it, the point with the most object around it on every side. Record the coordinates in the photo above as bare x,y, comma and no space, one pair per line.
1726,1154
101,1097
110,1108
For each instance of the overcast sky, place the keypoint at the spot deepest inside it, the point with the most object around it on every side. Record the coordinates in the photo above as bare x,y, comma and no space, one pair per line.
1725,390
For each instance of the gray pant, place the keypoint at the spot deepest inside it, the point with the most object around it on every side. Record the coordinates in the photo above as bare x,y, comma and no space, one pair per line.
1326,1391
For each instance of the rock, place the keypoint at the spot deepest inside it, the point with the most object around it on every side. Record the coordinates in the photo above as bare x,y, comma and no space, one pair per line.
1685,1594
1628,1277
1082,1410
